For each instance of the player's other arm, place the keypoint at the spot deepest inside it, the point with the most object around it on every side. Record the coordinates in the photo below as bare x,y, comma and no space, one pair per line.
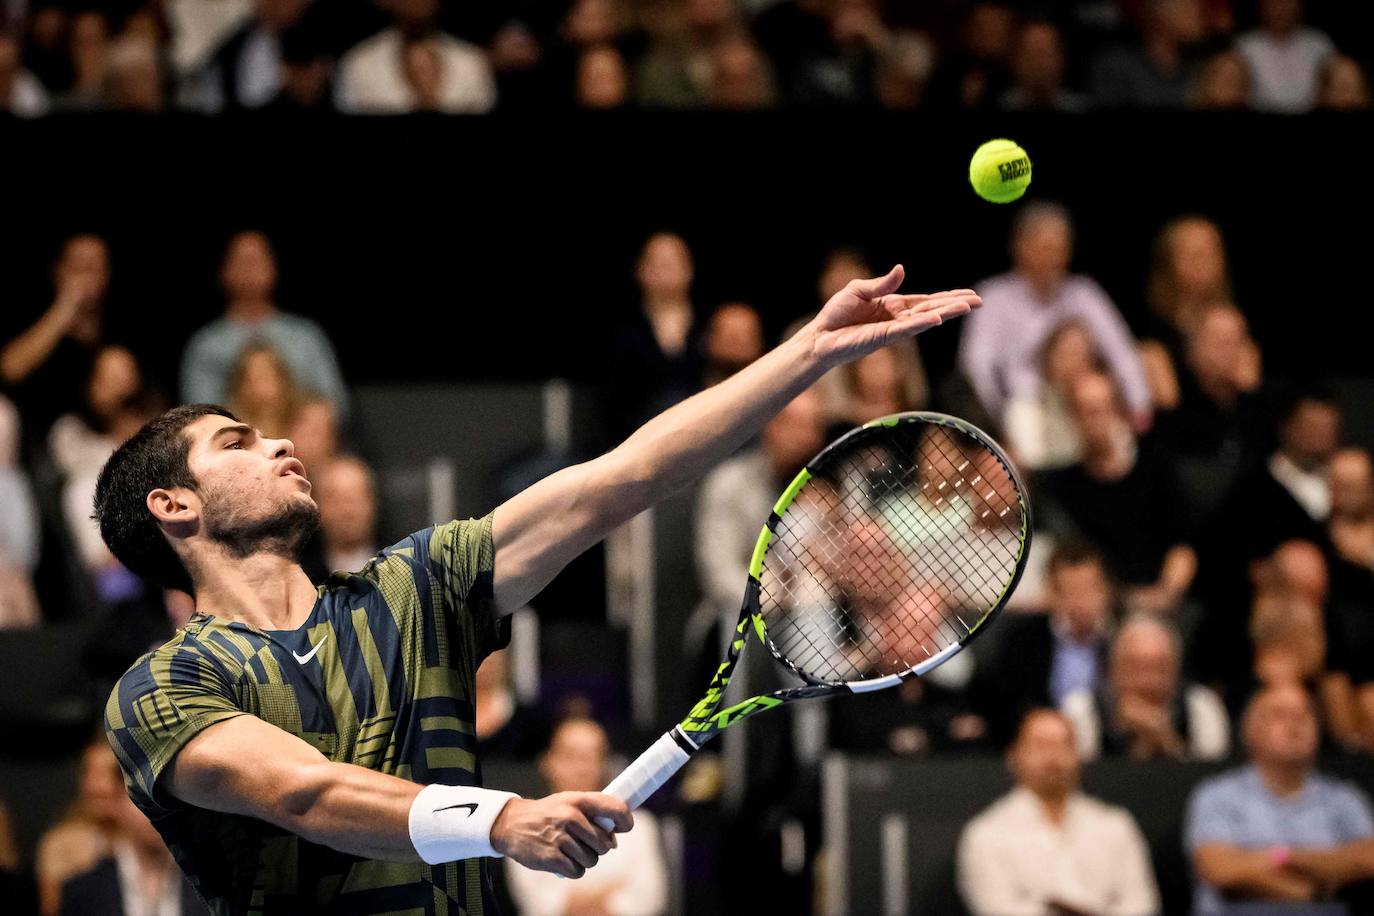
249,767
541,530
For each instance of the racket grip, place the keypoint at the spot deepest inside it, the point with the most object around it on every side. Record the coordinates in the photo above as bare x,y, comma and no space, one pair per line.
642,778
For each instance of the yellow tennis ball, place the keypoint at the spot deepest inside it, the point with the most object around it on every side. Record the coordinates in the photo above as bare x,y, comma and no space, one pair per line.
1000,171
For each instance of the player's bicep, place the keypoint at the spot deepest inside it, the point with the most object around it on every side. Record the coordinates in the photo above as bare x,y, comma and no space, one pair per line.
246,766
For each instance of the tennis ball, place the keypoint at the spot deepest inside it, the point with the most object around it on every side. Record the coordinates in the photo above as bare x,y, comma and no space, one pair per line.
1000,171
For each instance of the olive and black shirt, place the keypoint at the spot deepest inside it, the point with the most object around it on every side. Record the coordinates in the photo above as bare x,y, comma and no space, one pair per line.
380,675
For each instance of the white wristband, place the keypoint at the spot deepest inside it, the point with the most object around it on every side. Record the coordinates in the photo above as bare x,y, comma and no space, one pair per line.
448,823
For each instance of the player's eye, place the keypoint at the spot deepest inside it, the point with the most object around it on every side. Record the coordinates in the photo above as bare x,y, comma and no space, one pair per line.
235,444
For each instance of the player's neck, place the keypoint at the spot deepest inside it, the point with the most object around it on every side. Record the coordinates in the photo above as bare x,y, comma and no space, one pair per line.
264,590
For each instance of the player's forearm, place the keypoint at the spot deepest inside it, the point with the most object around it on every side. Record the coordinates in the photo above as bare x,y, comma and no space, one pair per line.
354,810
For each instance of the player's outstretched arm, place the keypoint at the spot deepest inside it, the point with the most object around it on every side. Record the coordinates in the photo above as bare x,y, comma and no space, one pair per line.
541,530
249,767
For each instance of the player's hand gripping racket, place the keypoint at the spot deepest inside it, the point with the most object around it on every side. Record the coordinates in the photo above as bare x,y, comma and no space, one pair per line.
888,553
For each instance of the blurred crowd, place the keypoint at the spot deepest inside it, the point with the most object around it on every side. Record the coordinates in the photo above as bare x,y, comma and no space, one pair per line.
396,56
1201,586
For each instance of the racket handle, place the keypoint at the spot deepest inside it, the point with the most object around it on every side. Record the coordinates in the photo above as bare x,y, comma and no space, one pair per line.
642,778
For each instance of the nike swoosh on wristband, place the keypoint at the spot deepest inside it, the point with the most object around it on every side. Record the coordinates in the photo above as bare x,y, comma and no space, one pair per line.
311,654
471,806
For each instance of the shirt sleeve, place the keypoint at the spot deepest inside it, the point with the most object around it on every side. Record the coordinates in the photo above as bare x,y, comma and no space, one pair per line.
985,883
1138,893
162,702
1353,818
460,557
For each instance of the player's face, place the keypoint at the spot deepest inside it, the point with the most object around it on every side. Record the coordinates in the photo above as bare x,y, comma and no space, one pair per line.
253,493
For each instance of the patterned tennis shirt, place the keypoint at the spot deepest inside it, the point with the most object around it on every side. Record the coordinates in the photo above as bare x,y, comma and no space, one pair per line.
380,675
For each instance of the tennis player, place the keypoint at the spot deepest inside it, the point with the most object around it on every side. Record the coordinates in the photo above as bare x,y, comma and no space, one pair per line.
306,749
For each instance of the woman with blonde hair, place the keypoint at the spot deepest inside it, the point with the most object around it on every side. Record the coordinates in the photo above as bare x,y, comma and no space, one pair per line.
262,390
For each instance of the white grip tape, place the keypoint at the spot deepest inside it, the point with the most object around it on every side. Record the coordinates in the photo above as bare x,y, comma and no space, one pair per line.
643,777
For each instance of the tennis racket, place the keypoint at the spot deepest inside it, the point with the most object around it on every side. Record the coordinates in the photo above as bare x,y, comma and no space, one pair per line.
887,554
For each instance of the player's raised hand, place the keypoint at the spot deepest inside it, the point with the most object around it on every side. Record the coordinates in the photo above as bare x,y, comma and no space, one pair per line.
869,314
559,833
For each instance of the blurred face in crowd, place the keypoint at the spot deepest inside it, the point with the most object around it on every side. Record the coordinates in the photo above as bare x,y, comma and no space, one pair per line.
1197,258
665,267
347,498
491,674
1181,20
1097,413
1224,83
1039,62
9,68
1069,354
1280,16
1281,728
251,494
315,432
250,270
795,435
576,758
710,16
262,380
1344,87
1042,251
601,78
841,267
135,75
1145,663
1218,345
115,378
1352,483
1044,758
1310,434
134,827
102,786
1301,568
1081,597
878,383
85,259
90,47
591,22
279,14
734,338
741,80
988,31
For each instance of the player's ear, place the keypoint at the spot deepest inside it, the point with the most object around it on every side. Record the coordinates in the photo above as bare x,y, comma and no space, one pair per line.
174,505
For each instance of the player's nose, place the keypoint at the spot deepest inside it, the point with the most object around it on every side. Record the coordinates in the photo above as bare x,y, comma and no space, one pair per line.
283,448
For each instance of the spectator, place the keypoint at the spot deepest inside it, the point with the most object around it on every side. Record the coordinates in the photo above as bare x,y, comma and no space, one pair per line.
793,35
1001,343
89,48
602,80
19,531
314,430
15,884
1038,427
1285,57
1047,847
1277,830
841,69
1048,657
262,391
678,69
742,79
1350,615
346,492
976,75
656,356
20,91
46,366
631,879
138,876
373,76
248,69
905,67
1156,71
1124,498
1343,85
1223,84
249,278
505,726
306,69
1037,70
134,79
85,833
1145,711
734,339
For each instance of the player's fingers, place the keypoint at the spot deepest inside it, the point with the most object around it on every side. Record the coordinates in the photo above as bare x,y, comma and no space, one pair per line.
601,841
577,851
939,300
879,286
562,865
597,804
916,321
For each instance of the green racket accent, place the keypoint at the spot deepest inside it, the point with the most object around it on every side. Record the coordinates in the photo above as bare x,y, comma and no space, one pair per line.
790,493
884,421
760,548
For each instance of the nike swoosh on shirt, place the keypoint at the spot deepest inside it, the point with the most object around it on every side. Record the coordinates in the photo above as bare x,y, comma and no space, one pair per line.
471,806
311,654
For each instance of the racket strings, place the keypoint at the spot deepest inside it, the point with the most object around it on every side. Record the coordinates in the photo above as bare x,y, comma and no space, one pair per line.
894,551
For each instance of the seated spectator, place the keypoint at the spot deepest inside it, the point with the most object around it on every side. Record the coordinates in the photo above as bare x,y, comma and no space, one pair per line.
262,391
85,833
1045,847
975,75
631,879
19,530
1156,70
88,44
306,69
20,91
734,339
602,78
1277,830
1037,426
741,78
841,69
904,71
249,279
1343,85
505,726
346,494
247,69
45,365
314,430
1222,84
1144,711
1350,615
1000,348
1123,497
1285,57
134,78
372,78
138,875
678,68
794,34
1037,73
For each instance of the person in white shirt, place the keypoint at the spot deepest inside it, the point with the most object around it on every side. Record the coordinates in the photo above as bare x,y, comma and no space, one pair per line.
630,880
378,76
1286,58
21,93
1045,846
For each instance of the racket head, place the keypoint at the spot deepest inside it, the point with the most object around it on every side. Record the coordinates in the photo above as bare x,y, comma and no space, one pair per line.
889,552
